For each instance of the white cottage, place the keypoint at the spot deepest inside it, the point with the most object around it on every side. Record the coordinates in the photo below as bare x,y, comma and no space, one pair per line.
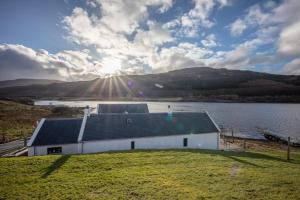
125,131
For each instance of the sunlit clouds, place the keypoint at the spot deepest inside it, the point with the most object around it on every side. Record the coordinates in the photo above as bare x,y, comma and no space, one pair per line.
119,37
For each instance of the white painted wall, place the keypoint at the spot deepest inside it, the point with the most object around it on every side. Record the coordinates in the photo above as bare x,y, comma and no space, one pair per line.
195,141
42,150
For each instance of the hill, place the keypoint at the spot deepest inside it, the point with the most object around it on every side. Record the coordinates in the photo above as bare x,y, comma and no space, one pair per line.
25,82
190,84
18,120
172,174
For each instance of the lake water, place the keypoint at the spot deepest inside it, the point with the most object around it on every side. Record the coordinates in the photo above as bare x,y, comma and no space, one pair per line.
244,118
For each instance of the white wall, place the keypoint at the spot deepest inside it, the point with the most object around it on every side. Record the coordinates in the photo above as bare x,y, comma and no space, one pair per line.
195,141
42,150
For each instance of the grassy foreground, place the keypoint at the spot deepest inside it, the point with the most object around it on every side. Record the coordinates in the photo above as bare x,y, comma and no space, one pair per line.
172,174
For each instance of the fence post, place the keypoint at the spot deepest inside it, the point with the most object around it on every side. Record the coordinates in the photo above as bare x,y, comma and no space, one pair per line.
288,148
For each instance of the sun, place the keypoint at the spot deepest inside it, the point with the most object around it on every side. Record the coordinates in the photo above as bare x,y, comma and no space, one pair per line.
111,66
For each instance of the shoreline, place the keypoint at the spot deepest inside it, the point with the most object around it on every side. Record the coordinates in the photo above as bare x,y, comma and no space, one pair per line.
171,100
257,144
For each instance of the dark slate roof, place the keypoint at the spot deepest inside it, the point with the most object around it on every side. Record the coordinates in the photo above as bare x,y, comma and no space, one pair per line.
58,131
121,126
122,108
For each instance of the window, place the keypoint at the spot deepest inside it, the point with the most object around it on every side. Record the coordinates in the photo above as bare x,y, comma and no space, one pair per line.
185,142
54,150
128,121
132,145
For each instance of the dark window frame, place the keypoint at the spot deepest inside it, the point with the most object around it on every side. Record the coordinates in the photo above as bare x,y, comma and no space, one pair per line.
54,150
185,142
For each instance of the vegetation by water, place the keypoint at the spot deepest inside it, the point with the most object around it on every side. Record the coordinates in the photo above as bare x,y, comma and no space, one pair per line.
19,120
173,174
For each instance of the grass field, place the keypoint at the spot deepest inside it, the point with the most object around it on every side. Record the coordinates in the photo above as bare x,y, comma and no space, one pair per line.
18,120
172,174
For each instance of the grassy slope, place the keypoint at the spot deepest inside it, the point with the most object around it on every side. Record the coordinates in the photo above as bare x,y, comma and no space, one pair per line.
173,174
18,120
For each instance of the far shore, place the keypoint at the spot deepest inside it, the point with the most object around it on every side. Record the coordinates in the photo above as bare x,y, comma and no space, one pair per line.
190,100
206,99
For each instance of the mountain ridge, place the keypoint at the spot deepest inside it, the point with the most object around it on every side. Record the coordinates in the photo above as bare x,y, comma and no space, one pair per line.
192,84
26,82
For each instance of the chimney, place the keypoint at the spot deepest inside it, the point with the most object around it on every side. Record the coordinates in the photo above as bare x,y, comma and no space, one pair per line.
169,109
87,111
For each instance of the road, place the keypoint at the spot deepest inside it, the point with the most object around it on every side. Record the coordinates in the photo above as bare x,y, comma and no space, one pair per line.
11,146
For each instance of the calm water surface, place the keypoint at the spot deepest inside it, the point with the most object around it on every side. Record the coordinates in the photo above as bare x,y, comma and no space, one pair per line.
245,118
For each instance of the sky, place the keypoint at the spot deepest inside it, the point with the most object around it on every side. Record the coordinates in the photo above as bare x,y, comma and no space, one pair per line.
85,39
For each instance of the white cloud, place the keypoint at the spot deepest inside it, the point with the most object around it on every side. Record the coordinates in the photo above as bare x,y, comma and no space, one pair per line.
108,33
145,50
122,39
269,4
287,12
292,67
210,41
18,61
124,16
177,57
237,27
277,24
200,13
198,17
155,36
255,17
289,43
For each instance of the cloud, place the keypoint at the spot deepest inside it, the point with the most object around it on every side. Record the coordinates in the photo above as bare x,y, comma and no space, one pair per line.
17,61
289,43
209,41
198,17
182,56
287,12
109,33
155,36
123,45
120,37
237,27
292,67
255,17
124,16
276,24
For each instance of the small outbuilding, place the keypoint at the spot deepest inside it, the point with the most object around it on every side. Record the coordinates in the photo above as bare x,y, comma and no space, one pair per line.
122,108
109,132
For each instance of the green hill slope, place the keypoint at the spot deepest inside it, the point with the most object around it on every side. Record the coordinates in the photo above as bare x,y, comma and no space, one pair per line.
173,174
19,120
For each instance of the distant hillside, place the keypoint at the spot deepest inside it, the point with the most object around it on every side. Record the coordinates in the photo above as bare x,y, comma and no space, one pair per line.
25,82
191,84
18,120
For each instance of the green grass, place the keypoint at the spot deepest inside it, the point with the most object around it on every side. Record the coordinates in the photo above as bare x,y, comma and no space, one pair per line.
172,174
